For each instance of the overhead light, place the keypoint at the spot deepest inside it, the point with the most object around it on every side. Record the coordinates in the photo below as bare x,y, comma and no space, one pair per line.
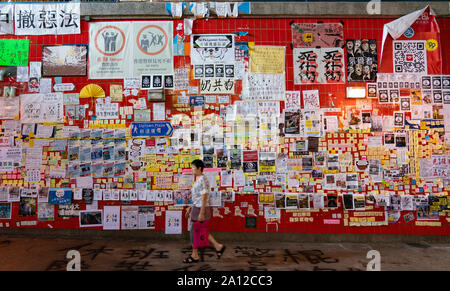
356,92
156,95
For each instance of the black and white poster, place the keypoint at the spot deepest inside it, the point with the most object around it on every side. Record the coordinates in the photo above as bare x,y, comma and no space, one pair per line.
47,19
362,63
212,49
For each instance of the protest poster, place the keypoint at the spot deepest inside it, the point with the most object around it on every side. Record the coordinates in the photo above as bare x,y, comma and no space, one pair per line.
47,19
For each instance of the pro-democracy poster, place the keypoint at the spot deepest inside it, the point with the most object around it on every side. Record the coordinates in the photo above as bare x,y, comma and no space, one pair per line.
130,49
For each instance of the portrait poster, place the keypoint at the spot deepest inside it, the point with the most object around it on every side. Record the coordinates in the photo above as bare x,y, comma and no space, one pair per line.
312,35
64,60
109,50
362,63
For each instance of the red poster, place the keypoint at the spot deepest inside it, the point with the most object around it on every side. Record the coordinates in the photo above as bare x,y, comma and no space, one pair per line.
411,44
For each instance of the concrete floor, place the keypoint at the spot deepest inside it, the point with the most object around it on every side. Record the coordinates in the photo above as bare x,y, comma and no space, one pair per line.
45,254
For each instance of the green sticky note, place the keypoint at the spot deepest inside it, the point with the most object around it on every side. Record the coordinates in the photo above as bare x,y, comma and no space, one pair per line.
14,52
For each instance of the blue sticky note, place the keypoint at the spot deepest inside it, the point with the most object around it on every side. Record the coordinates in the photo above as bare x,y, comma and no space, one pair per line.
58,80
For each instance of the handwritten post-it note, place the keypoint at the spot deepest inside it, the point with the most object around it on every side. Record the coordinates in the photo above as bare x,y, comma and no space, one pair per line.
115,92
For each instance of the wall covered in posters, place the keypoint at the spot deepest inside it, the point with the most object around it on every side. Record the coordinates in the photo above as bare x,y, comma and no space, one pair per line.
281,140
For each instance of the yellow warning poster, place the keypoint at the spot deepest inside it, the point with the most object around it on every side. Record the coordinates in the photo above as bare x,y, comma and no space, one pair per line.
266,59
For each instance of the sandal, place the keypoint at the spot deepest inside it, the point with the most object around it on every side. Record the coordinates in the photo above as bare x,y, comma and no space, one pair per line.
190,260
220,252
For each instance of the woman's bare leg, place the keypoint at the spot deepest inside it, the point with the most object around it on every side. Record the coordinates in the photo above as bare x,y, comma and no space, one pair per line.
217,245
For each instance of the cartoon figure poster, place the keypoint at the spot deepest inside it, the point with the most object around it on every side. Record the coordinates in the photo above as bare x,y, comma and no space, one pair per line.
212,49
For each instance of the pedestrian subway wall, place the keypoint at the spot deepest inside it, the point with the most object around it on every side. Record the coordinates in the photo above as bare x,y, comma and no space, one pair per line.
326,164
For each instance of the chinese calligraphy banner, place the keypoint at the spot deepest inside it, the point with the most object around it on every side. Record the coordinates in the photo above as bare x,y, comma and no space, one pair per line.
267,59
109,50
14,52
217,86
43,19
312,35
6,18
319,66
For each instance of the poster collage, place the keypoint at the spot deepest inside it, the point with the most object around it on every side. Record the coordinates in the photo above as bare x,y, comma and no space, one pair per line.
116,155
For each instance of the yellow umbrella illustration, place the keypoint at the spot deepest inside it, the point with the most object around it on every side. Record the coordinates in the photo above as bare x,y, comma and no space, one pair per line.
92,90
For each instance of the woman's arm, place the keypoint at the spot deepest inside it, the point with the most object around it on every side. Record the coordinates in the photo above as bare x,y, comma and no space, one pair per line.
205,197
188,211
201,215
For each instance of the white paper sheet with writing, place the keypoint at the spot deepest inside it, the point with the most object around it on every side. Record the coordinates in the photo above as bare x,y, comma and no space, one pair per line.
173,222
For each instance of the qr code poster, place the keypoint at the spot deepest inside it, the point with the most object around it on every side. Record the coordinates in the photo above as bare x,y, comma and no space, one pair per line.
410,57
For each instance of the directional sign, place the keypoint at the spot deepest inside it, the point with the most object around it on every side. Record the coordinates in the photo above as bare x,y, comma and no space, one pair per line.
213,41
59,87
151,129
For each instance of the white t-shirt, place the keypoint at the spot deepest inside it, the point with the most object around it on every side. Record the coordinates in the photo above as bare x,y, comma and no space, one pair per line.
201,187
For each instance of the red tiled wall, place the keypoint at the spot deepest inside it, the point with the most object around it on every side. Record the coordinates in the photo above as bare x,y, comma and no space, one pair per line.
263,32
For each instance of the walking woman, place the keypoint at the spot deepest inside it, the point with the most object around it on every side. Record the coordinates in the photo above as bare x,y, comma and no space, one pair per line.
200,210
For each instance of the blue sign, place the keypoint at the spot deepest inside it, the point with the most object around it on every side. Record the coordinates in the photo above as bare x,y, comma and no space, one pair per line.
60,196
409,33
151,129
197,100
